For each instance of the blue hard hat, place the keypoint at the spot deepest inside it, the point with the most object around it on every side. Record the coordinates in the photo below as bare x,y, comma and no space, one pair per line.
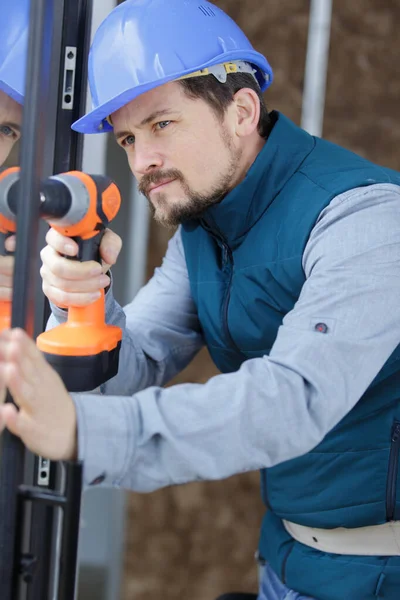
13,48
143,44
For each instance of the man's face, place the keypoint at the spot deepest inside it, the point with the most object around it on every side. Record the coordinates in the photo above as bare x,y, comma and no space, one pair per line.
183,155
10,125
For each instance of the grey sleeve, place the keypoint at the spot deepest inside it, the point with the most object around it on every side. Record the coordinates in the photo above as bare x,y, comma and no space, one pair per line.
161,332
245,420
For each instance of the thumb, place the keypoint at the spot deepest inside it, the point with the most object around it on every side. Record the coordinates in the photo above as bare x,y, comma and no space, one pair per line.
110,248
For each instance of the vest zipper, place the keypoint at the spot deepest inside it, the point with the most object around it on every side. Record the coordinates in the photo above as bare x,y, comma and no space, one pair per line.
392,472
227,260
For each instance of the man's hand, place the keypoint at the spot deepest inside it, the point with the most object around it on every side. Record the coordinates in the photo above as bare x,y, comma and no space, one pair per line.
73,283
46,420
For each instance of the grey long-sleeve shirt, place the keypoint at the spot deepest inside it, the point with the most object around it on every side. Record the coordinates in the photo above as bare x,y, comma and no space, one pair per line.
142,436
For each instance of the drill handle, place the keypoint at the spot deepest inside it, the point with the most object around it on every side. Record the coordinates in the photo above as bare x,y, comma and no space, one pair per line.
89,249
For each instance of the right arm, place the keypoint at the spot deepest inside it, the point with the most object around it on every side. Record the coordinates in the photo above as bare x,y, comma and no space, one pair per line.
161,331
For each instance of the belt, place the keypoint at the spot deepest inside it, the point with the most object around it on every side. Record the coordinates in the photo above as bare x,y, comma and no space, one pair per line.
374,540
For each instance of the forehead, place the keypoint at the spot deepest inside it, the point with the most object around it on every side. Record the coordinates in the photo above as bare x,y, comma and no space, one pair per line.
168,96
10,110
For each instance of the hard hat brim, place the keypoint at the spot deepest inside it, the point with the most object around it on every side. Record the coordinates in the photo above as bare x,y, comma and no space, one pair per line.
95,121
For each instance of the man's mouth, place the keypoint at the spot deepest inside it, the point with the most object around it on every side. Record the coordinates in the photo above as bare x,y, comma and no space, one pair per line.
158,186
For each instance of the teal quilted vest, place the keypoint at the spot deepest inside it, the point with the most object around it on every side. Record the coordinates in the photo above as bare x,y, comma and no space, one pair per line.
244,260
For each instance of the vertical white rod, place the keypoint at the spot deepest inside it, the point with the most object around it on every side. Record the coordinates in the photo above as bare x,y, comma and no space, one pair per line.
104,510
312,118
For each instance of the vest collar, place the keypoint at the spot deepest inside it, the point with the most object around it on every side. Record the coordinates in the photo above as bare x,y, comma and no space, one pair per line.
285,149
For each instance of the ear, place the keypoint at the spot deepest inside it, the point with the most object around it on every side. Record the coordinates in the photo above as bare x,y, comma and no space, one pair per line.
247,105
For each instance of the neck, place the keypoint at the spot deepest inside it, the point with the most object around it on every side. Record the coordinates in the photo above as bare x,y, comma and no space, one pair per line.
249,155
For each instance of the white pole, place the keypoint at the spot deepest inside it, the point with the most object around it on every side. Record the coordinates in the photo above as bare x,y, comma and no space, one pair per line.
312,118
103,525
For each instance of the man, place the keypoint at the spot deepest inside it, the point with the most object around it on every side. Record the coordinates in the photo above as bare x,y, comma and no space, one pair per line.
286,264
13,45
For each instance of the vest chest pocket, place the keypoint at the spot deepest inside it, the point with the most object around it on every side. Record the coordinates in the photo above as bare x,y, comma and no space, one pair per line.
391,486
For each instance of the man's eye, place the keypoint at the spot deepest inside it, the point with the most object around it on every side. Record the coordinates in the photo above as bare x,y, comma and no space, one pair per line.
128,141
163,124
7,131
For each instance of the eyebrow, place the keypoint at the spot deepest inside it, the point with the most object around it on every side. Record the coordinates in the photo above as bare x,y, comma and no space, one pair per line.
11,125
155,115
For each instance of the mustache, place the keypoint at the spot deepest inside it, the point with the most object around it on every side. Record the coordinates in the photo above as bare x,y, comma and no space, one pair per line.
156,177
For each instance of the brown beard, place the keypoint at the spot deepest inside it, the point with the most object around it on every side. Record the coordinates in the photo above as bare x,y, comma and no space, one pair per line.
196,204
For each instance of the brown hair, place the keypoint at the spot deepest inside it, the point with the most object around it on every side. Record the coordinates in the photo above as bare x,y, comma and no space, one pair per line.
220,95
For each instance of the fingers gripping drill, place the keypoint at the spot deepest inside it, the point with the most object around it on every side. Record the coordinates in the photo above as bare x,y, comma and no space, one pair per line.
84,350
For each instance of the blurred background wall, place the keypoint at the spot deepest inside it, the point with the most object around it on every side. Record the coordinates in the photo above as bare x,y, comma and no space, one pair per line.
198,541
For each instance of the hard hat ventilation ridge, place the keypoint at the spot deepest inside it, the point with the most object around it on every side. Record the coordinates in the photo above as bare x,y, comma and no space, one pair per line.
207,11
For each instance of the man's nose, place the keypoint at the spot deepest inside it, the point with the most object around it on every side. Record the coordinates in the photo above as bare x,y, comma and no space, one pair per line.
145,159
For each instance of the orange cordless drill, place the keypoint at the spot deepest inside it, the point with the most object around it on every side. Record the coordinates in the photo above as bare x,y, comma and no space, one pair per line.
84,350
